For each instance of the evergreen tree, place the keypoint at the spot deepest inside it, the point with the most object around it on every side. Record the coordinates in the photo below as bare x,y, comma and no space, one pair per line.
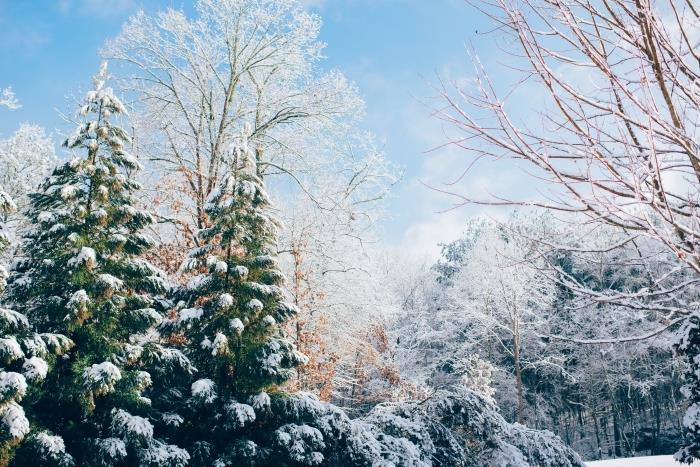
688,347
232,323
81,276
24,359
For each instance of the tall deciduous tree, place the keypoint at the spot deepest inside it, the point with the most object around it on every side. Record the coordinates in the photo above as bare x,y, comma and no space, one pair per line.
617,137
198,80
81,276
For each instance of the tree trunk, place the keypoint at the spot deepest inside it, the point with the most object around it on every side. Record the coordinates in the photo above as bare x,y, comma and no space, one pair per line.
518,378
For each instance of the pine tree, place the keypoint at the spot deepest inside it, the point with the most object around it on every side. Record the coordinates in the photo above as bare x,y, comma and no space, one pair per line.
231,318
24,359
81,276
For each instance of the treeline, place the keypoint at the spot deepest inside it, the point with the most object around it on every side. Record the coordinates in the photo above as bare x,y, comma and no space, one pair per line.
500,299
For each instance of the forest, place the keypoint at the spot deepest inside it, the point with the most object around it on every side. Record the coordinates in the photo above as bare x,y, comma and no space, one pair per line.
199,276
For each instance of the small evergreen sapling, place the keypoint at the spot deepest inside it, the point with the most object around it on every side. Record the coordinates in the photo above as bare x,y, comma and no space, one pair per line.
82,277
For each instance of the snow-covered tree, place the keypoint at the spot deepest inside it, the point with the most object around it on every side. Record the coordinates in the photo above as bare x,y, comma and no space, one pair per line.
503,295
232,317
25,360
26,158
617,147
199,79
338,282
81,276
604,398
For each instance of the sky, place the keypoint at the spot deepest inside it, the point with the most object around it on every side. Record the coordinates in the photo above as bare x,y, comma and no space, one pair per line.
394,50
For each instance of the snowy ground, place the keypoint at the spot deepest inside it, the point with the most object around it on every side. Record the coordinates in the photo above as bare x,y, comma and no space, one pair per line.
655,461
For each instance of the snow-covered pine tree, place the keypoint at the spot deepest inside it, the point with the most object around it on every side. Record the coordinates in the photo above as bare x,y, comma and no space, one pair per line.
81,276
688,347
232,320
24,359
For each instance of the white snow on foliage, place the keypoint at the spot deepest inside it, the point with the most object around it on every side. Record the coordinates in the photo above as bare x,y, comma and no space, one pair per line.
161,454
12,386
78,301
239,415
35,369
10,349
113,448
131,427
260,401
221,267
50,444
301,442
12,320
110,282
225,300
189,314
172,419
220,344
237,326
269,320
14,421
101,377
85,257
204,390
255,305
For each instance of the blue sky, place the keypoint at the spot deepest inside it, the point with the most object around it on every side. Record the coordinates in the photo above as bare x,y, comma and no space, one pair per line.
392,49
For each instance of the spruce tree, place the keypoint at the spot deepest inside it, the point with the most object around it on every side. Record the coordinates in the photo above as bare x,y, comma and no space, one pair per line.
81,276
25,357
230,319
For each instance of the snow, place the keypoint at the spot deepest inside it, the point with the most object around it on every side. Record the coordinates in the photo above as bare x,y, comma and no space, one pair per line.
650,461
50,444
269,320
114,448
189,314
221,267
161,454
101,377
13,320
220,344
12,386
241,272
57,343
127,425
78,301
237,325
204,390
225,300
255,305
10,349
35,369
86,256
260,401
239,415
172,419
68,192
143,380
14,420
110,282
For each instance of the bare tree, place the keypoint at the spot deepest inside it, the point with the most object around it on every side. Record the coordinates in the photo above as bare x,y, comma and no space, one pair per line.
197,81
616,138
